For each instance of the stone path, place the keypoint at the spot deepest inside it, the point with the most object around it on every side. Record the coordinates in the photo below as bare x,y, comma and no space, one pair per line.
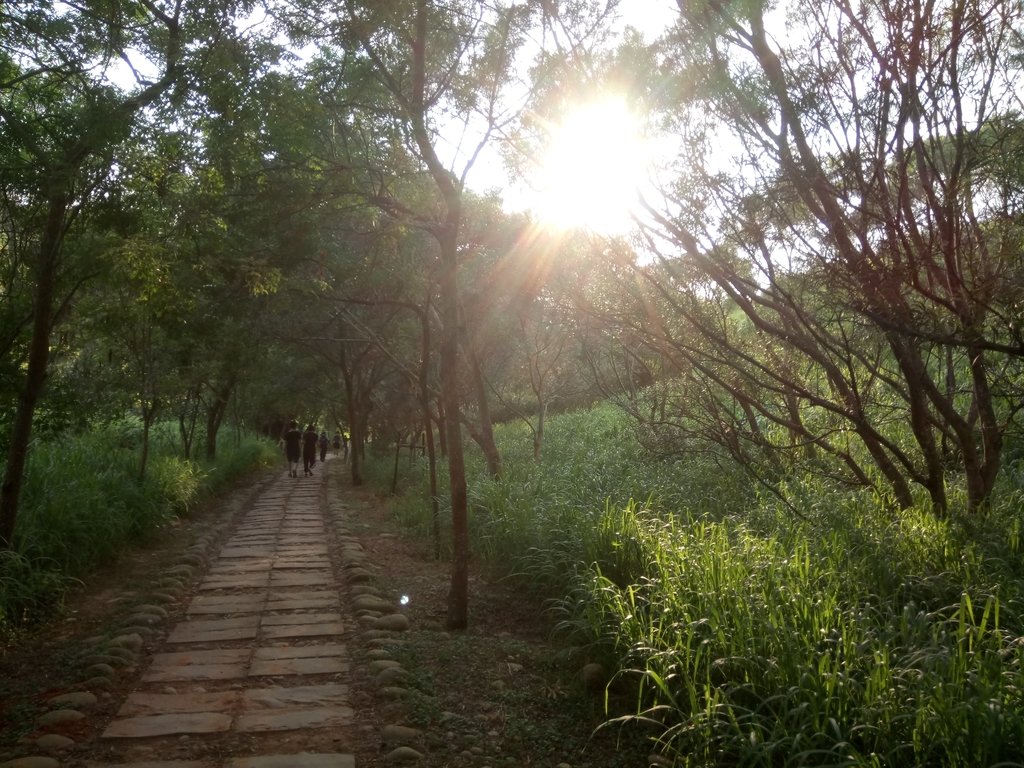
255,676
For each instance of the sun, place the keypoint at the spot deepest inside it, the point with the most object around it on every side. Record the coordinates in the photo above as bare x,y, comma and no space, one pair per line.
593,169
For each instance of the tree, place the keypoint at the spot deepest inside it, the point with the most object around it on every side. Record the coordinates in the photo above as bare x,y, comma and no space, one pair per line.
429,71
856,225
62,120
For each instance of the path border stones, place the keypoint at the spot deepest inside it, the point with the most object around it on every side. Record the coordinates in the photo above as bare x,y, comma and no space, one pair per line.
382,625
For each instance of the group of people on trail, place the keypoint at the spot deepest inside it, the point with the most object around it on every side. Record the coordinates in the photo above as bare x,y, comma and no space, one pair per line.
304,444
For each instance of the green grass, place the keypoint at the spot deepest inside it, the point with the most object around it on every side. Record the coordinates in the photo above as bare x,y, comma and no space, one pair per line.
846,634
83,502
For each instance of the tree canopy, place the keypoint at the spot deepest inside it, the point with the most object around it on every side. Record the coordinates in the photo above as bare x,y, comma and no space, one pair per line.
218,212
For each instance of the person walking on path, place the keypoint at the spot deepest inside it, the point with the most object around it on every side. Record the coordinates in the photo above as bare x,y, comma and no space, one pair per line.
336,443
309,438
292,447
324,442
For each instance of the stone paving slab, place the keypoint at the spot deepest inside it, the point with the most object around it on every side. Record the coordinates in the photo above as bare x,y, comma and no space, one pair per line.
139,704
328,665
263,538
245,552
294,719
219,604
194,672
214,630
301,594
304,603
230,622
241,565
282,619
152,764
217,664
241,581
209,656
293,579
295,564
166,725
300,760
304,630
304,549
279,697
275,652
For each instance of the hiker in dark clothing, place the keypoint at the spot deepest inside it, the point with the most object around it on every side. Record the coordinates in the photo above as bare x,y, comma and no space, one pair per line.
292,438
324,442
309,438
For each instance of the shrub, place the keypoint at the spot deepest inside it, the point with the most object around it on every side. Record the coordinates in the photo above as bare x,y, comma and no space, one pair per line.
83,502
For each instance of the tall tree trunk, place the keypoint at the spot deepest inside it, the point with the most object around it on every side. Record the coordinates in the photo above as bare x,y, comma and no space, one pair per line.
447,233
215,415
428,427
458,595
35,374
442,440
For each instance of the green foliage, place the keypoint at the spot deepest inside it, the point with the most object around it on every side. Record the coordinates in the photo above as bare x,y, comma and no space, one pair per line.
816,627
83,503
758,648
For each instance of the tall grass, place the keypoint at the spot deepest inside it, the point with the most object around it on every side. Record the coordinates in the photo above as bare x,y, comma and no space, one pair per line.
83,502
769,650
518,522
846,634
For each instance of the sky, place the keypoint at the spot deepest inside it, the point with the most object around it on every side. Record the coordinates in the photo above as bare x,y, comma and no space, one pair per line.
651,18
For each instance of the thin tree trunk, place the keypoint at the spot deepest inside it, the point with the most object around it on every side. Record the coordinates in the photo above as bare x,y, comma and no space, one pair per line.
35,375
447,234
148,417
484,436
215,416
442,440
538,433
458,595
428,427
355,445
394,470
915,372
